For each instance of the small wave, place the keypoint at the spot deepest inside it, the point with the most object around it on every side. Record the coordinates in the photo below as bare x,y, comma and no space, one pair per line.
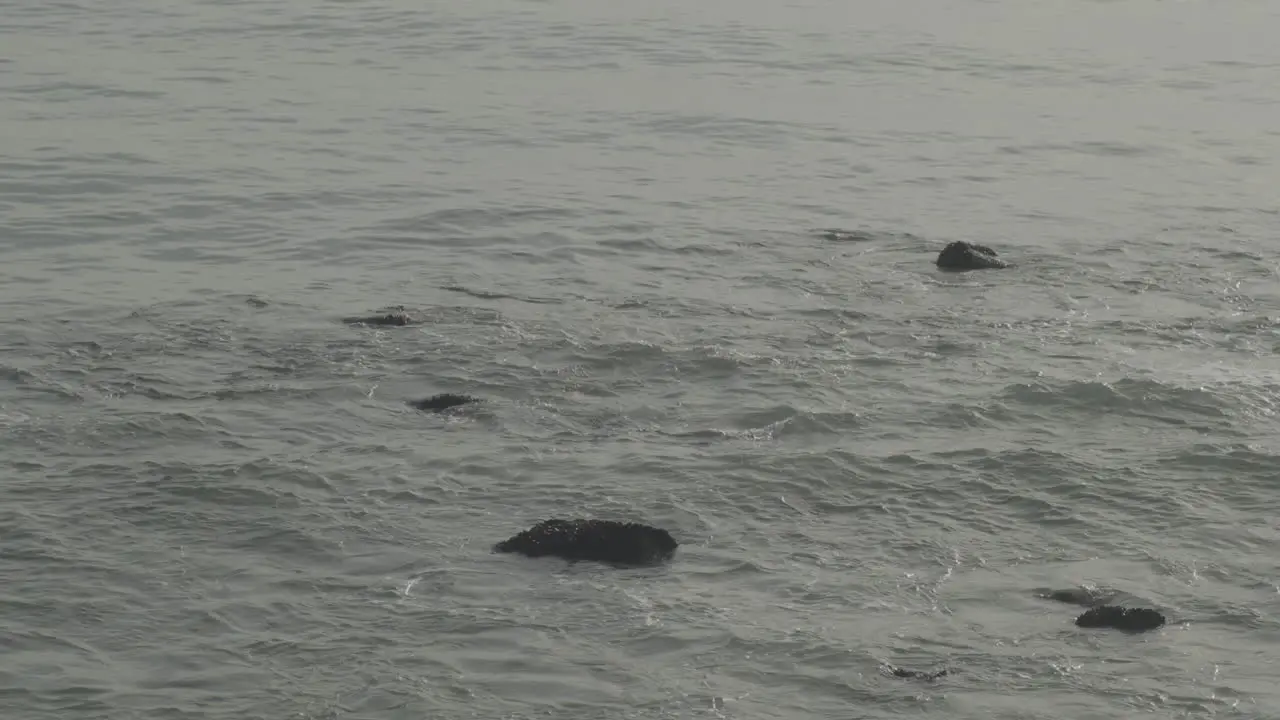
1238,460
1148,399
861,236
483,295
69,92
473,218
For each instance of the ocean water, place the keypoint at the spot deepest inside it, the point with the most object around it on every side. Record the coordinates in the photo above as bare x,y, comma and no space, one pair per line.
216,503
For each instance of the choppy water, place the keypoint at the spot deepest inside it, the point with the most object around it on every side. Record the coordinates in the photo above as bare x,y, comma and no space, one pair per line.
216,504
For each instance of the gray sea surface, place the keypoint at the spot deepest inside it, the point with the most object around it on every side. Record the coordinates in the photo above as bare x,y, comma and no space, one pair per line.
217,504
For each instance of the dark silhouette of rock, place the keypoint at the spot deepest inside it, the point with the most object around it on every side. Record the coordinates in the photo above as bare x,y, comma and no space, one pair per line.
918,674
397,317
442,402
961,255
606,541
1129,619
1086,597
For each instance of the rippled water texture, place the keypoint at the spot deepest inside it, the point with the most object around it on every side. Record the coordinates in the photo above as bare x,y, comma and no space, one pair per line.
611,225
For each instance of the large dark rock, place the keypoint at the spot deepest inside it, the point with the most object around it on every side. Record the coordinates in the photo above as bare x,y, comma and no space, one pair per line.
961,255
1120,618
606,541
442,402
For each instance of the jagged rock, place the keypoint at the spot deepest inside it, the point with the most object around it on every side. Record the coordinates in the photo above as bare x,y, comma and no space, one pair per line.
606,541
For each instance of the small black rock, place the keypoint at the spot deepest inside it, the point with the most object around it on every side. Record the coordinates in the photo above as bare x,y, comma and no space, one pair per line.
606,541
1129,619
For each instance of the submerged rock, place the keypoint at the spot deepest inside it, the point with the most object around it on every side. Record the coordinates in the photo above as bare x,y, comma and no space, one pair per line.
1083,596
918,674
847,236
1128,619
961,255
606,541
395,317
443,401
